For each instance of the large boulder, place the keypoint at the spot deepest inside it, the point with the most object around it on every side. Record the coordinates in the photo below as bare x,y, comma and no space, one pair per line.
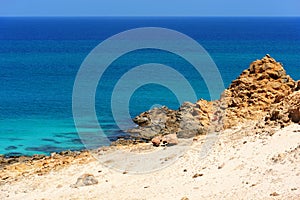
158,121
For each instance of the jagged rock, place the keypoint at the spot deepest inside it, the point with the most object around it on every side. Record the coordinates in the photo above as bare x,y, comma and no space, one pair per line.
285,112
252,94
155,122
188,121
85,180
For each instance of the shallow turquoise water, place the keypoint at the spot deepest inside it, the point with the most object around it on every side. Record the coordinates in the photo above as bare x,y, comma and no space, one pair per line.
39,59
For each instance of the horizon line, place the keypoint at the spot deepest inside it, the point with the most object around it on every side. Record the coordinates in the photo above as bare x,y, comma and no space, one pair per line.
149,15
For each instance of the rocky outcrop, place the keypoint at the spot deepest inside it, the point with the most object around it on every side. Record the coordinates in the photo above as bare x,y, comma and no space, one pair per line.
189,120
158,121
263,91
252,94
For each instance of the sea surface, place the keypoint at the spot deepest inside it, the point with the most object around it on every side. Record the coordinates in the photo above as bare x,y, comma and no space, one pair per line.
40,57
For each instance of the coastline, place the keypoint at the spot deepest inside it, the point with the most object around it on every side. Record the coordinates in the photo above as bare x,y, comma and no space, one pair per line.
255,156
243,164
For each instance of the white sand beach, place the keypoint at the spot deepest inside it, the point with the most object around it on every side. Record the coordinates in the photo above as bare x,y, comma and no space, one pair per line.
241,165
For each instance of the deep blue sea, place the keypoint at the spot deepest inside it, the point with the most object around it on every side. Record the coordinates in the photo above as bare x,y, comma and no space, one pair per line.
39,59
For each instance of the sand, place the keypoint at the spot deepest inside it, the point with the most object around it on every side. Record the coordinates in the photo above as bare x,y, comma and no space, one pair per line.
241,165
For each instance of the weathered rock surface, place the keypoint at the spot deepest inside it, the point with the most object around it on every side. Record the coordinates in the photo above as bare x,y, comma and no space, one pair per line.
186,122
189,120
252,94
285,112
193,119
155,122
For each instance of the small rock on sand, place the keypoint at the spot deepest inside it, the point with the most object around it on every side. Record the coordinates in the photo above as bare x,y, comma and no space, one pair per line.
274,194
197,175
85,180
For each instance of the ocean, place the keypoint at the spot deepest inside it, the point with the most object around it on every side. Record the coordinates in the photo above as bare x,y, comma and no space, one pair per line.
40,57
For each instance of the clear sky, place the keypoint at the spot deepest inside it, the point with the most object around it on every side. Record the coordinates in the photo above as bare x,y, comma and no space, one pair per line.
149,7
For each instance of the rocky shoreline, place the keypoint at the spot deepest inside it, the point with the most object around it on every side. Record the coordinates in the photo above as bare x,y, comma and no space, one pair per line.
16,167
263,94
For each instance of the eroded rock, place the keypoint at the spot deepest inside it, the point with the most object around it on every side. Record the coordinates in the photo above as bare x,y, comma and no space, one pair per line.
262,92
285,112
252,94
188,121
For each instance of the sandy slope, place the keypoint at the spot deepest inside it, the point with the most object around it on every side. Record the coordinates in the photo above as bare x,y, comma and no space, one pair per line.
242,165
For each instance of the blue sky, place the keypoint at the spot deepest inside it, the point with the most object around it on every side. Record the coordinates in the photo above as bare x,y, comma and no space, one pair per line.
149,8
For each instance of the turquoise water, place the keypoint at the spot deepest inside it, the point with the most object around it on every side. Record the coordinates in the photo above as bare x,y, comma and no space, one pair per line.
39,59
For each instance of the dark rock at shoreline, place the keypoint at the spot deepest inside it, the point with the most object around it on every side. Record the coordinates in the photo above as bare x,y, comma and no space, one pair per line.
161,121
154,122
190,120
